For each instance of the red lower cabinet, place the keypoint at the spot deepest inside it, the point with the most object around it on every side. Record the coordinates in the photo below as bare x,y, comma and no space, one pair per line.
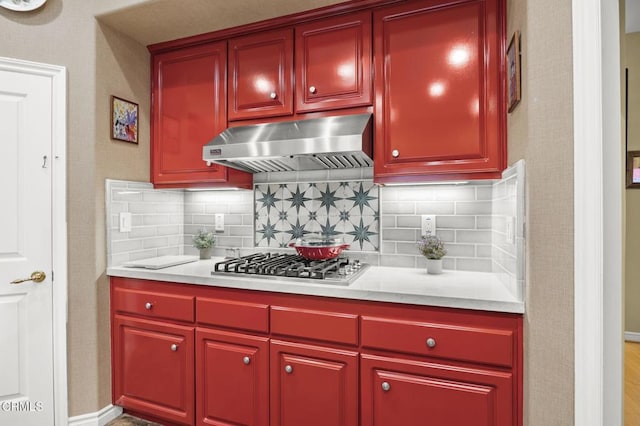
232,382
405,392
313,386
154,368
190,354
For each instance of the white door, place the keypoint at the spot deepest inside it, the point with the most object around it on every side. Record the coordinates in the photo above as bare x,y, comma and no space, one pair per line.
26,314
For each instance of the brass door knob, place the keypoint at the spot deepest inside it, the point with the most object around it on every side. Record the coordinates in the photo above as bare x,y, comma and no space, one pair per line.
36,277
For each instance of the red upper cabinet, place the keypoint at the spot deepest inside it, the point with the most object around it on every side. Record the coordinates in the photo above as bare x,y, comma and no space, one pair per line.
261,75
188,110
333,63
439,98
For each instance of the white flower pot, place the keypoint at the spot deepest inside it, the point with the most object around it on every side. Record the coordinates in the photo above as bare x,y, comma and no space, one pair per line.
205,254
434,266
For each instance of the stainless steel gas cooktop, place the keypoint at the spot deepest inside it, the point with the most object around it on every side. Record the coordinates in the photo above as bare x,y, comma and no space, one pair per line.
340,270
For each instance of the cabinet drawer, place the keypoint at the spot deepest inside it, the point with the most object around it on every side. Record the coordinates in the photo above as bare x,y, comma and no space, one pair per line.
318,325
475,344
154,305
232,314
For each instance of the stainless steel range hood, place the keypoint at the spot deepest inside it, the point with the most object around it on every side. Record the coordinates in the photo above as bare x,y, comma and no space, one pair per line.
336,142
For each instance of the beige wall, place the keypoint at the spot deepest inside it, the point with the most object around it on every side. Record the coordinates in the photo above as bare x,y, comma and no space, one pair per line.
99,63
102,62
122,69
540,131
631,60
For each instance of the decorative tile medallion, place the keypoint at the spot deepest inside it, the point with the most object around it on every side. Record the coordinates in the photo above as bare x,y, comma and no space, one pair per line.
284,212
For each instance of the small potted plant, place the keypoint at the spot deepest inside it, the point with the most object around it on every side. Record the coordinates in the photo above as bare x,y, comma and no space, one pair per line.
433,249
204,240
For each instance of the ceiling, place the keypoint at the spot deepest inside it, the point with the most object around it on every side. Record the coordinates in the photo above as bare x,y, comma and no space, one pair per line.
154,21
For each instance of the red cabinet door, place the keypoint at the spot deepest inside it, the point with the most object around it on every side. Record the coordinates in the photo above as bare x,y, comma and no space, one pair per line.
153,368
188,110
261,75
439,91
232,379
313,386
397,391
333,63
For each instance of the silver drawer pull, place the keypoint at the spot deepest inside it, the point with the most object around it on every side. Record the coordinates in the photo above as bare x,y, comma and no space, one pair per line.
288,369
431,342
174,347
386,386
395,153
148,306
273,95
246,360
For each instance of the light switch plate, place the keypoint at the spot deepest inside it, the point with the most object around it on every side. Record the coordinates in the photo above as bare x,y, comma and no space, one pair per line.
219,222
125,222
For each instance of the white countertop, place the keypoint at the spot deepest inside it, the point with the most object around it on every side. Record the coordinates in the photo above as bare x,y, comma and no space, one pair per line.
453,289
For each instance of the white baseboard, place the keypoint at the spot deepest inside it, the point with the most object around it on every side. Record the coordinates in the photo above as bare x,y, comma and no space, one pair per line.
99,418
631,336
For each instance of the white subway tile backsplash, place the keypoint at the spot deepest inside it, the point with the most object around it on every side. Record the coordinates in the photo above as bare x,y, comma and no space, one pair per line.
456,222
155,242
474,207
398,234
461,250
471,219
408,222
156,229
473,236
397,208
436,207
483,250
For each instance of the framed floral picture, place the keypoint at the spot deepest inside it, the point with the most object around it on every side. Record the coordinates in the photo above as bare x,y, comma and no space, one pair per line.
513,72
633,169
124,120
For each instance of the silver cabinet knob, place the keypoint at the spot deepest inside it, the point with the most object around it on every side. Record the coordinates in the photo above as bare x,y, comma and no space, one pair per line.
148,306
246,360
312,89
386,386
209,163
273,95
395,153
431,342
288,369
174,347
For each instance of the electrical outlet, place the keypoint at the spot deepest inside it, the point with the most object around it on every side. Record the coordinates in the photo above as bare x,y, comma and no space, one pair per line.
125,222
428,224
219,222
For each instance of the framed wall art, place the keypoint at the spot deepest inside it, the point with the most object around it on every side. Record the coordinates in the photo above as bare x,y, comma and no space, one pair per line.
124,120
633,169
513,72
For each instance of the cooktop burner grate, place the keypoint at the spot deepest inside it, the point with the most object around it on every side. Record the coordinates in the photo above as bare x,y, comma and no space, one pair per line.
340,269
